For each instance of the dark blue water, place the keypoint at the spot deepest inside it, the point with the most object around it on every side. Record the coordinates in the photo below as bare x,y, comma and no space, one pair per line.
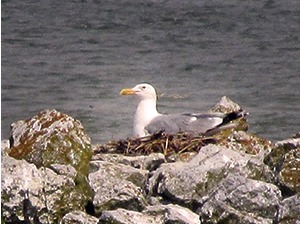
75,56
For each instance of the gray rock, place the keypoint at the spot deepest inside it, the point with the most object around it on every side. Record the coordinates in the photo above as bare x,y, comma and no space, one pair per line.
55,140
51,137
123,216
296,135
34,195
232,184
153,214
67,170
248,143
117,186
291,143
145,162
202,173
171,214
290,210
4,146
284,161
241,200
20,182
79,217
226,105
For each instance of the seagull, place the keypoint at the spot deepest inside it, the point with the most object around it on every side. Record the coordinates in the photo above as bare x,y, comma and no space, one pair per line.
147,120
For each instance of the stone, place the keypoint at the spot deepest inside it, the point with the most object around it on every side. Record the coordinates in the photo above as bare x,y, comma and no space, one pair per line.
171,214
64,170
32,195
49,176
146,162
117,186
4,147
51,137
225,105
238,199
289,210
57,141
123,216
248,143
79,217
159,214
202,173
284,161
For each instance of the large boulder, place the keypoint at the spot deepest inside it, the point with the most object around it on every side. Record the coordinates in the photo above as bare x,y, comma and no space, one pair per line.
51,137
48,169
202,173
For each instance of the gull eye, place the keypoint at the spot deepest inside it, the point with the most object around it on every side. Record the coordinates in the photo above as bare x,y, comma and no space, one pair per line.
143,87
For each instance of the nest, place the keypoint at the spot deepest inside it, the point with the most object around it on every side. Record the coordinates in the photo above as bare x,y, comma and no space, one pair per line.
160,142
181,145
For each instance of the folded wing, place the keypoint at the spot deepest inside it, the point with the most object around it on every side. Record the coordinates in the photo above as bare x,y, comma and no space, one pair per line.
202,123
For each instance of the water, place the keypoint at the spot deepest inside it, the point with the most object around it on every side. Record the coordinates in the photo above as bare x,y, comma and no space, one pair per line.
75,56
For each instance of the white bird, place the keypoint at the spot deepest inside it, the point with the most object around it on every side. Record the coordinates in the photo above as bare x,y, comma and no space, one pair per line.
148,121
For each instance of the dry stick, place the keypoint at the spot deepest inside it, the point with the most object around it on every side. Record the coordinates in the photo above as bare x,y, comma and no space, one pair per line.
166,146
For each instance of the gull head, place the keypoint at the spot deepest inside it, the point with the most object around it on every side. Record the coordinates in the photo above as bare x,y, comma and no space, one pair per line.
142,91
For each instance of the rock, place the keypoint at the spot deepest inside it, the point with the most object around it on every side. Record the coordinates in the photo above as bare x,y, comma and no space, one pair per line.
297,135
284,160
291,143
289,212
225,105
161,214
64,170
241,200
232,177
4,147
145,162
202,173
123,216
171,214
117,186
51,137
79,217
57,141
20,183
248,143
33,195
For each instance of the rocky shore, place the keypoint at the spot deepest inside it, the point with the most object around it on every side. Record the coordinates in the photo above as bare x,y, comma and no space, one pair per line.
52,174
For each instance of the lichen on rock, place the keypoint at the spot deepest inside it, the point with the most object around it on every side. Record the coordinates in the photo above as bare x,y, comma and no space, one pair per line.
32,195
206,170
284,160
51,137
59,150
117,186
238,199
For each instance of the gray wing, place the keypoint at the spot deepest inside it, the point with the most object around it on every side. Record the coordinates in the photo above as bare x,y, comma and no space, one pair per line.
195,123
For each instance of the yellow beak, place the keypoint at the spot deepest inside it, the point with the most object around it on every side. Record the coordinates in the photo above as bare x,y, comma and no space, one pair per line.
127,91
